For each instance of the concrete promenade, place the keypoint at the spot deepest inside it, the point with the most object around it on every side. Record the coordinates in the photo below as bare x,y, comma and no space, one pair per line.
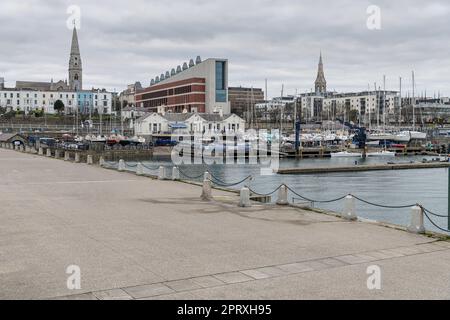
138,238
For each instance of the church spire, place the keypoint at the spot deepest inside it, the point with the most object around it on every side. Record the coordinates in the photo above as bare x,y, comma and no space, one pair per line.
75,49
75,66
321,83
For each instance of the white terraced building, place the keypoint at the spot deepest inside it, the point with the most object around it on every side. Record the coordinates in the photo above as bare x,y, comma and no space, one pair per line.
366,103
13,99
157,123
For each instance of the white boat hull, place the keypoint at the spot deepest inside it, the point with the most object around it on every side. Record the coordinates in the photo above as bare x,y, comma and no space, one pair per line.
346,155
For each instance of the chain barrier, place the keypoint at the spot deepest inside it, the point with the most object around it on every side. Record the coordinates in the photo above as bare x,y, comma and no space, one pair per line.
433,223
381,205
189,176
265,194
315,201
433,214
226,184
131,165
150,167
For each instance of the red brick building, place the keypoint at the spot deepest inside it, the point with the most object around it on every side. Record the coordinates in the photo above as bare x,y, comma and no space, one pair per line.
175,96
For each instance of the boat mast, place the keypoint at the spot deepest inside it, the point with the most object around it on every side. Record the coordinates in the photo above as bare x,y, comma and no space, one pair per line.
413,102
377,105
384,104
400,105
281,107
370,108
295,107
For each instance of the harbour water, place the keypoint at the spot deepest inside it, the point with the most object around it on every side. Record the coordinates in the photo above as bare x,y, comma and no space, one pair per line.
427,187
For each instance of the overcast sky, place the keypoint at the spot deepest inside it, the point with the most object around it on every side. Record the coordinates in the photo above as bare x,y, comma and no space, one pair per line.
136,40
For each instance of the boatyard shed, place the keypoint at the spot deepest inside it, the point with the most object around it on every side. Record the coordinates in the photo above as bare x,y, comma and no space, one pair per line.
13,138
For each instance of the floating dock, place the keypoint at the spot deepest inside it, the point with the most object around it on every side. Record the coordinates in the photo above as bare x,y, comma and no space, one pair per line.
371,167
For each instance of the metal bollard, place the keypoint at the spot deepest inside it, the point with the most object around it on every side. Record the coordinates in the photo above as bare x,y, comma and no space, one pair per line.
121,165
41,151
89,159
162,173
101,161
416,225
244,200
207,176
77,157
49,152
283,196
349,212
66,156
206,190
175,174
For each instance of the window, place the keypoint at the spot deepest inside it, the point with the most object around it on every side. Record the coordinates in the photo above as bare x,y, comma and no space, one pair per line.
221,92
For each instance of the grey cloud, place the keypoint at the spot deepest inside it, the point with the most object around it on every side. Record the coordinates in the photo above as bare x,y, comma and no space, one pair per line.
126,41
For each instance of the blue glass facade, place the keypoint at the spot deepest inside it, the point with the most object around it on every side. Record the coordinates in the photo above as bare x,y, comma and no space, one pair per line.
221,90
85,102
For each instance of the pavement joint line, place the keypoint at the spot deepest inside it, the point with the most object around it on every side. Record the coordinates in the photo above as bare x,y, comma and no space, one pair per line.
257,273
76,182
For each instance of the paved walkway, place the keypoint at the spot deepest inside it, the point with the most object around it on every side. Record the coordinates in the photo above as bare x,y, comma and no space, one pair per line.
137,238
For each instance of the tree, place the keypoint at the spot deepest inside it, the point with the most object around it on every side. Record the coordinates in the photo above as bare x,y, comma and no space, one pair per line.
58,106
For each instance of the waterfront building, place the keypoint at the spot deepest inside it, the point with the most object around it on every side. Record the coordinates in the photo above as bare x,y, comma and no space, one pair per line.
133,112
127,98
199,87
166,123
373,104
271,110
30,96
243,100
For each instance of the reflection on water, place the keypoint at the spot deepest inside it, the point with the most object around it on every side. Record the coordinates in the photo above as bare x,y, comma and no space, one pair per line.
427,187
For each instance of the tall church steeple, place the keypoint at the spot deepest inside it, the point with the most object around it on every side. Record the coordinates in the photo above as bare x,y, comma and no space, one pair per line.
321,83
75,66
